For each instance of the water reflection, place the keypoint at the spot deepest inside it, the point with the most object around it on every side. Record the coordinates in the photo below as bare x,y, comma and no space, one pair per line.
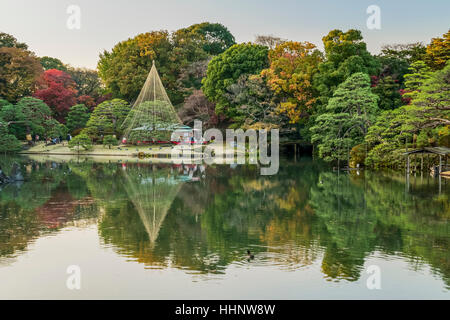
202,219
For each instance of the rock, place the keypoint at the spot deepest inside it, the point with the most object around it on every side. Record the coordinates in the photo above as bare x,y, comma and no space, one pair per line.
3,178
16,174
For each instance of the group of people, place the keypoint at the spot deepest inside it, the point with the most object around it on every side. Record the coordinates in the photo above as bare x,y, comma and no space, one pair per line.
48,140
58,140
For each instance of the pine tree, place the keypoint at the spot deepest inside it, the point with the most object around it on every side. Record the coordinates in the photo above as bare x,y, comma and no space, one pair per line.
347,117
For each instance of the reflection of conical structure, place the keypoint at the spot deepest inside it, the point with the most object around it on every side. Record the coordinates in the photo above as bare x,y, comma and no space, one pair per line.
152,194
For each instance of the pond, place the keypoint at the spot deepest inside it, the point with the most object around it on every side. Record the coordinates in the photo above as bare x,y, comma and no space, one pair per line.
140,230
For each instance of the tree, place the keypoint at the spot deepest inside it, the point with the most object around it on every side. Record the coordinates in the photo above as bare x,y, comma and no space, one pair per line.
30,116
87,82
292,67
392,67
52,63
198,107
90,102
32,113
214,38
126,67
388,91
226,68
394,60
59,93
110,141
107,118
9,41
426,117
348,115
193,48
438,52
394,63
54,129
410,52
8,142
257,106
11,116
419,72
19,73
432,103
345,54
388,133
190,78
3,103
81,141
269,41
77,117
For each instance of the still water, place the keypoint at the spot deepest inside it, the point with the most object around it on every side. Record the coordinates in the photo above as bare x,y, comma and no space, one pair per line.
161,231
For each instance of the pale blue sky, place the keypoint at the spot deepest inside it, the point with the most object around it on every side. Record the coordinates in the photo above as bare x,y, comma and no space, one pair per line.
42,23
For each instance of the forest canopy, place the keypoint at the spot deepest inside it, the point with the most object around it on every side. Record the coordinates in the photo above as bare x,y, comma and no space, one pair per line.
350,104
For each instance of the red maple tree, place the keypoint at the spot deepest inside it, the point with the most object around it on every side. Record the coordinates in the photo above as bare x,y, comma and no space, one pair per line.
58,92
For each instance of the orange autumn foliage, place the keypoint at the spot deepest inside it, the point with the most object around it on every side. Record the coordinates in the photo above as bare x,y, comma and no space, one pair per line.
292,66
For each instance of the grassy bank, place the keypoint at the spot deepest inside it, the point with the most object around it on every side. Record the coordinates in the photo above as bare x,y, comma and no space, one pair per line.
122,151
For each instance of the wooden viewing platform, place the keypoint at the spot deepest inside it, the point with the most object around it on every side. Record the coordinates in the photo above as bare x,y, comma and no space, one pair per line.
442,152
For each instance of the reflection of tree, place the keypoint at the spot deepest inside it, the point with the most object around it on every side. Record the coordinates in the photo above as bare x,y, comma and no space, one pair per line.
77,187
17,227
40,180
362,214
38,205
101,181
348,228
419,218
209,223
151,214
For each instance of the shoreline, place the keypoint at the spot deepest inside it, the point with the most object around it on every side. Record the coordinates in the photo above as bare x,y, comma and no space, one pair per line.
134,153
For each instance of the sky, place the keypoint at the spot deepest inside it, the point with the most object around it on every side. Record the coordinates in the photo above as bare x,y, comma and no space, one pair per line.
42,24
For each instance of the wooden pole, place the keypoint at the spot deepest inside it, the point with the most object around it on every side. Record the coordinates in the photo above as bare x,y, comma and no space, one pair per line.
421,164
348,157
407,165
295,152
428,161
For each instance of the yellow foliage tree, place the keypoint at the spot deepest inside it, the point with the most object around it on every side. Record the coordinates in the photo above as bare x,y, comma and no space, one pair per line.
292,66
438,51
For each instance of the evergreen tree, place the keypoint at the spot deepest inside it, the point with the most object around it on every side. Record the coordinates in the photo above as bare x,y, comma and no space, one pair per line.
346,119
107,118
419,72
345,54
77,117
388,91
8,142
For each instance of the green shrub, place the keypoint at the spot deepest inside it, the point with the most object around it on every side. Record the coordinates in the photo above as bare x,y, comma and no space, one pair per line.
385,155
81,141
110,141
9,143
444,136
358,155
